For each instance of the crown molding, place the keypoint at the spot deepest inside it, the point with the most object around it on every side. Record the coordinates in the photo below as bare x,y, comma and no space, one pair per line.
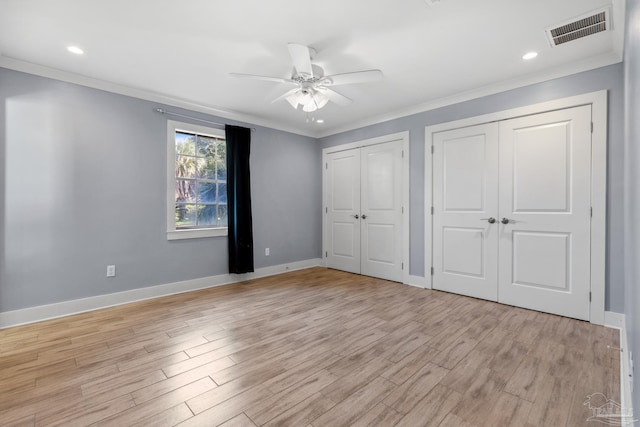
578,67
65,76
575,68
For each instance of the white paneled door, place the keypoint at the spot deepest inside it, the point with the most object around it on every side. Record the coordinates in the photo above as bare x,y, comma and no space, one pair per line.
512,211
545,192
364,210
343,210
465,236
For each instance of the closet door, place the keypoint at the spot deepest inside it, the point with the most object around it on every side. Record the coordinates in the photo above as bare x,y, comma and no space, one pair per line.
381,219
465,200
363,229
545,177
343,210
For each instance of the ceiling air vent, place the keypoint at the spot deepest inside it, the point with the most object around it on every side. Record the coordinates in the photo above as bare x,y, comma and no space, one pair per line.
595,22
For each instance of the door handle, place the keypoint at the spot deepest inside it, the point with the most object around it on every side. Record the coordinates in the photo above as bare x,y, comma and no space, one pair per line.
364,216
356,216
505,220
490,220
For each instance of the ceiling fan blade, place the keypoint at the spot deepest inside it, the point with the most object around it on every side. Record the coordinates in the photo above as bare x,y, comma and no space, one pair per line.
264,78
334,96
286,95
301,58
354,77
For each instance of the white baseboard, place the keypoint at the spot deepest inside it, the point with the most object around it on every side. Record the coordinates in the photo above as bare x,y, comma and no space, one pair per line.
51,311
416,281
617,321
613,320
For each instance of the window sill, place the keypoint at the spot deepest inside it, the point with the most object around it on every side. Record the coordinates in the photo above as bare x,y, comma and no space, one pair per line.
196,233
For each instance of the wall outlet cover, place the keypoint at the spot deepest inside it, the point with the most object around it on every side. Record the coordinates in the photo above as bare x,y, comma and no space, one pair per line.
111,270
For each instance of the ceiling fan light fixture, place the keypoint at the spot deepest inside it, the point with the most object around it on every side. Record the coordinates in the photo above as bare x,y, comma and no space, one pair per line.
305,98
293,100
310,107
320,100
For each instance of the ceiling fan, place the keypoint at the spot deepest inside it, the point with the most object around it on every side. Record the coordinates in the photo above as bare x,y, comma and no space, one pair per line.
312,90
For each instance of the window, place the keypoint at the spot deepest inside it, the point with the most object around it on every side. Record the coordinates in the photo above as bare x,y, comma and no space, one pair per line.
196,181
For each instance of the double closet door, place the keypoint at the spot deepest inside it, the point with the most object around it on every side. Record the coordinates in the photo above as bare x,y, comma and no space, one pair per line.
511,218
363,231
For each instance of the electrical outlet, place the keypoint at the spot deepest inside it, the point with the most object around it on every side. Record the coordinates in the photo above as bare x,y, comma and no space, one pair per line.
111,270
266,251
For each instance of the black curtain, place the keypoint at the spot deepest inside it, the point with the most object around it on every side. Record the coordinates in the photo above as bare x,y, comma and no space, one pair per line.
239,199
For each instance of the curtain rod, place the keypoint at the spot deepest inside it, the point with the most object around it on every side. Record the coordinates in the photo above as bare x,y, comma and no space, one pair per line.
171,113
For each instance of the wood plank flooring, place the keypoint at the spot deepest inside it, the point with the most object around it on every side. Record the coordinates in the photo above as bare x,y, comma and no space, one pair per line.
316,348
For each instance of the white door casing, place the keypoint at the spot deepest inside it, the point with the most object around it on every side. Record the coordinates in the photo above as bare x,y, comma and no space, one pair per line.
465,200
545,178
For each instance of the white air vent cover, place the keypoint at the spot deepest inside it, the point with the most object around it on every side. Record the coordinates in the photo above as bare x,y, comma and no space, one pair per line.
592,23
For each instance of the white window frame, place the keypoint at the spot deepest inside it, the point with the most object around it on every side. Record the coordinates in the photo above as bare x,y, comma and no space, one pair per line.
172,232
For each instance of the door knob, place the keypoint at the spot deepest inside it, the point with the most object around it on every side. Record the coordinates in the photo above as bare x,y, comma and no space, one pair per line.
505,220
364,216
490,220
356,216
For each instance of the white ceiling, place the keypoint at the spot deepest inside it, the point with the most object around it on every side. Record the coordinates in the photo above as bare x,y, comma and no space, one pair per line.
181,52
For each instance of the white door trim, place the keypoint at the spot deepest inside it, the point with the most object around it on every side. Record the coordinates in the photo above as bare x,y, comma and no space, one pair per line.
598,102
404,136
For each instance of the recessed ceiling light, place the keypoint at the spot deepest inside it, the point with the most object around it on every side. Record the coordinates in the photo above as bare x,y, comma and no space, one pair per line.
320,121
529,55
75,49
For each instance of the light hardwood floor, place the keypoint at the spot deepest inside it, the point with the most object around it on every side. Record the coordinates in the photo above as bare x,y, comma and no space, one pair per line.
311,348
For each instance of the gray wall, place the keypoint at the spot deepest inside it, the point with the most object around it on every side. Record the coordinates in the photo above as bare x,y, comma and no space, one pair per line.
82,185
610,78
632,186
